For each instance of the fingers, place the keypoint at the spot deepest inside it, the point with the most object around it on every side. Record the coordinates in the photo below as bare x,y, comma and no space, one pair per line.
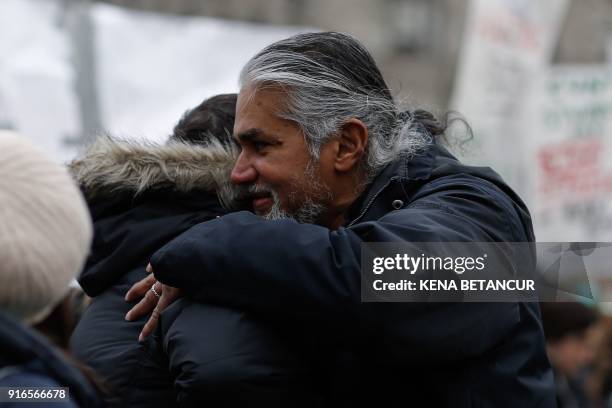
150,324
145,306
150,302
140,289
169,295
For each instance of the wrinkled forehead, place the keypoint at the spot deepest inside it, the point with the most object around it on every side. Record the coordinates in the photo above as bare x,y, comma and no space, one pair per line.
267,92
258,105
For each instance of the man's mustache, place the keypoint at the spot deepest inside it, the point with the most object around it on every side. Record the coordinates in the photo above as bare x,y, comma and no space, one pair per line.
247,193
260,189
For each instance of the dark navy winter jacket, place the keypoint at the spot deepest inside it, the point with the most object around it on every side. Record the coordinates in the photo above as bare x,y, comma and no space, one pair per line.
140,198
306,279
28,360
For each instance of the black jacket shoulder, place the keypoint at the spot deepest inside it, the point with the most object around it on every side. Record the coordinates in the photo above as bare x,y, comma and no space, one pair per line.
28,359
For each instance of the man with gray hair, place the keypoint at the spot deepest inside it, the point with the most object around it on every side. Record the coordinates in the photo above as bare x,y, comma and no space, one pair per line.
331,162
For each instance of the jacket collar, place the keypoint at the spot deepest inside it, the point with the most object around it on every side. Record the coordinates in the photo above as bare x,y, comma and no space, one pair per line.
395,182
24,348
111,167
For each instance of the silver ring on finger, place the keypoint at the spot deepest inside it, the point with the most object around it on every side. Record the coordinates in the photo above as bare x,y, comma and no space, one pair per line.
157,295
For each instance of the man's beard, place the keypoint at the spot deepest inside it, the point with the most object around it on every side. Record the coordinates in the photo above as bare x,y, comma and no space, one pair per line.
311,207
309,212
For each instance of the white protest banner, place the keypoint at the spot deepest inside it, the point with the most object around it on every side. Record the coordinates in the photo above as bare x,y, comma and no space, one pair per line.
152,67
570,145
36,75
505,43
148,68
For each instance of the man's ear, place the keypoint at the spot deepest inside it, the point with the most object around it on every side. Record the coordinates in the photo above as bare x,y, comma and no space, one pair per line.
352,139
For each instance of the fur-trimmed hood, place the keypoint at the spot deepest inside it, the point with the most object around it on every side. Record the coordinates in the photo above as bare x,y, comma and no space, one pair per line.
112,166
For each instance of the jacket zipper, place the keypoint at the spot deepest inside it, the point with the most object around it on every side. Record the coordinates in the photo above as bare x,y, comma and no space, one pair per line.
365,210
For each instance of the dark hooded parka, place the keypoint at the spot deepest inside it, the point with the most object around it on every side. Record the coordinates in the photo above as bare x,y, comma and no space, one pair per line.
141,196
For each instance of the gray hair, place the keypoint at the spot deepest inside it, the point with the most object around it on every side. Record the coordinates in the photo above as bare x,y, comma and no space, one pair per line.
328,78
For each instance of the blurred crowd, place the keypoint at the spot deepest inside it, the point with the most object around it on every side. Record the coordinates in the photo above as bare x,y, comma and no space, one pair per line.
579,346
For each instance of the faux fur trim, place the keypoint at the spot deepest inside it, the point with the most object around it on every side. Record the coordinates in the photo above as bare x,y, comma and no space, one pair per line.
110,166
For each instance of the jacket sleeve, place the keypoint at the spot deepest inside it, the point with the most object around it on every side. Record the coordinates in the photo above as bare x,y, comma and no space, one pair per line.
307,273
266,266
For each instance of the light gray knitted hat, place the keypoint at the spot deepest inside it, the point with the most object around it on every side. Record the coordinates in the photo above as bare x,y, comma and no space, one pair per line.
45,229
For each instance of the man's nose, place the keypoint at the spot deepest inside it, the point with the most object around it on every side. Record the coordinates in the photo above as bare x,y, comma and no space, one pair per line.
243,172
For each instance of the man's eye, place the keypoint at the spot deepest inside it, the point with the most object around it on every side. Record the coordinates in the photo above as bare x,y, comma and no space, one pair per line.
258,145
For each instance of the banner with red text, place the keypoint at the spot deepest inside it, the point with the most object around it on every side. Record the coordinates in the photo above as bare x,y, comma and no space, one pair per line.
570,149
506,44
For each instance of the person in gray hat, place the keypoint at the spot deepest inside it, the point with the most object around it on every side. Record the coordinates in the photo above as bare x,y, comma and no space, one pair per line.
45,231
